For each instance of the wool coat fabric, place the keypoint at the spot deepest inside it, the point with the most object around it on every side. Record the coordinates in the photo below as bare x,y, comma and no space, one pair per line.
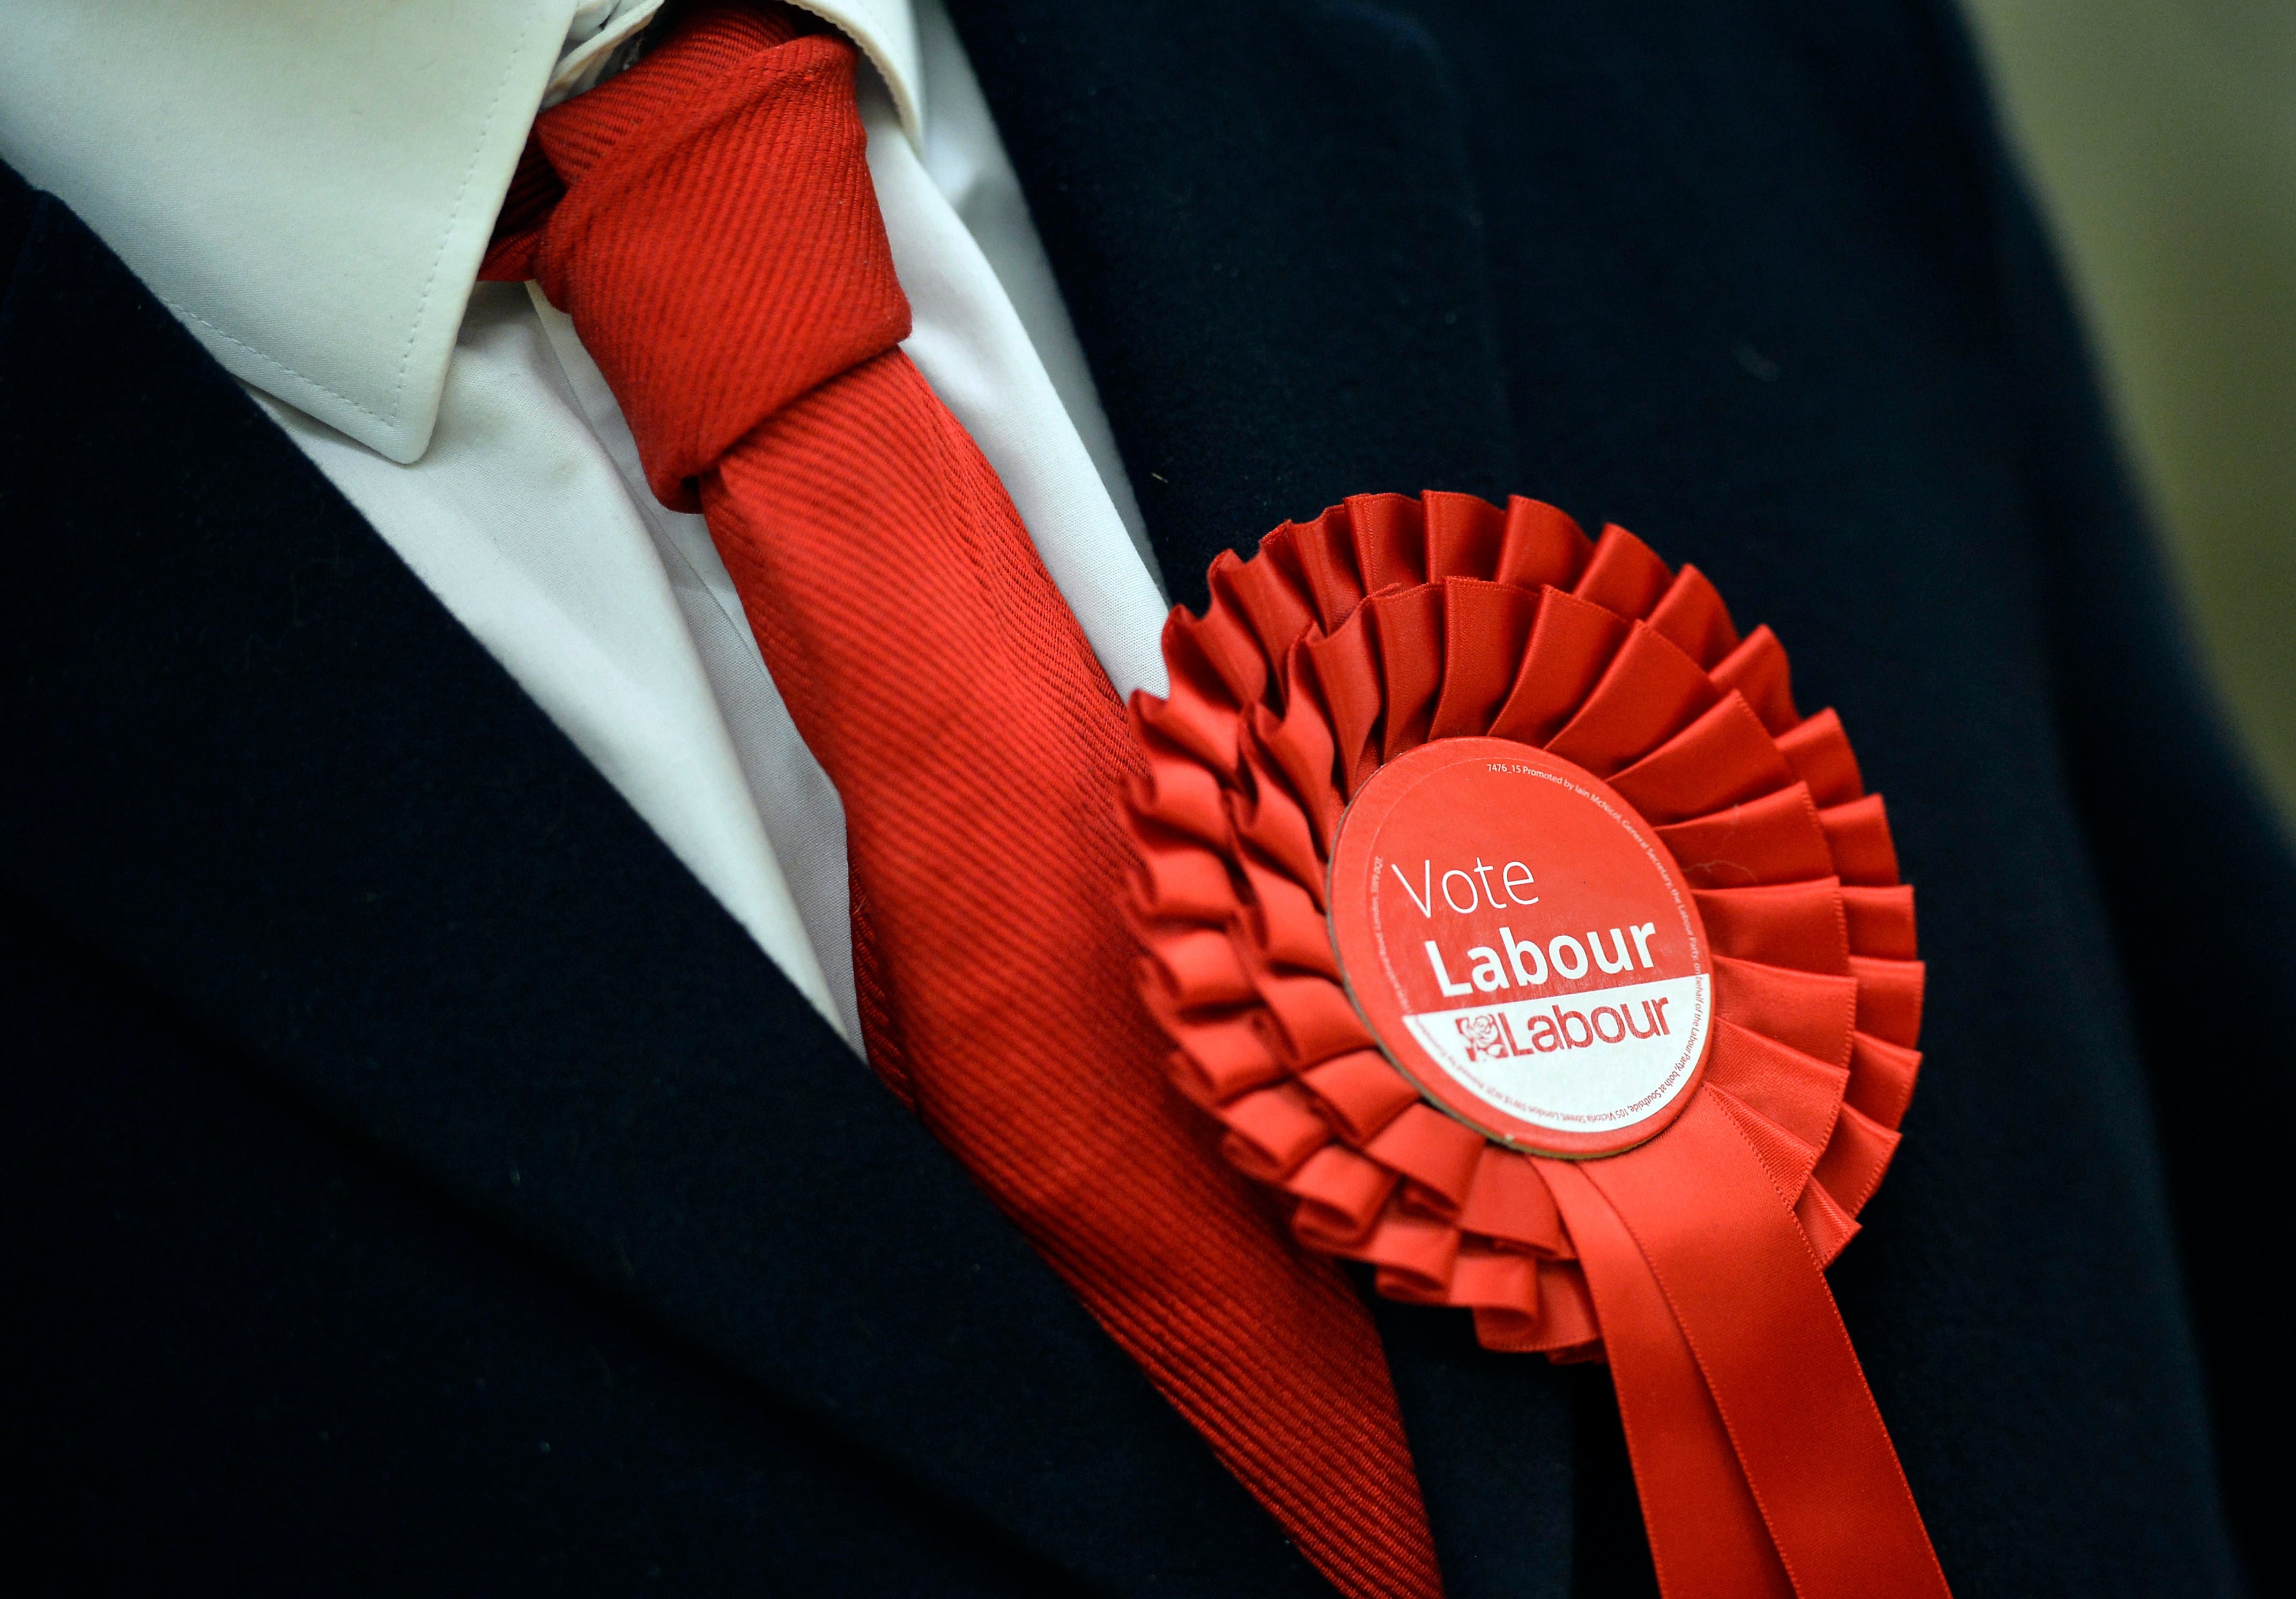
418,1182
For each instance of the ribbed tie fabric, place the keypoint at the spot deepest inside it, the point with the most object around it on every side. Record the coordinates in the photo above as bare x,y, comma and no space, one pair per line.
707,219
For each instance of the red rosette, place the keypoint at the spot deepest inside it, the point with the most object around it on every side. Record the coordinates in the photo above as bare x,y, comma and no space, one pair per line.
1388,626
1378,628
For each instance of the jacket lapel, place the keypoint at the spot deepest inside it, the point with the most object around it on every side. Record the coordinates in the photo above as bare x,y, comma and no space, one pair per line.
1263,227
255,766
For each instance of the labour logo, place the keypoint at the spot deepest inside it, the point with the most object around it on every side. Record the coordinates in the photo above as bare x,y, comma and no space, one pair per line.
1481,1035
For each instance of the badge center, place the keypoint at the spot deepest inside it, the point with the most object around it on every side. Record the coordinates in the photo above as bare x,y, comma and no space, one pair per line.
1523,946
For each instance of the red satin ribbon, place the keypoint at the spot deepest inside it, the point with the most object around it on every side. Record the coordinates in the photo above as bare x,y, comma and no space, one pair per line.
1693,1263
1763,1465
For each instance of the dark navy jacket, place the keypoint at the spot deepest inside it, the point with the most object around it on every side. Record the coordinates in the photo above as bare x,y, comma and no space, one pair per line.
414,1182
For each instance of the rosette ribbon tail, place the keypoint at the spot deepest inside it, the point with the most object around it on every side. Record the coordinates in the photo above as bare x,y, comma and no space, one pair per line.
1763,1465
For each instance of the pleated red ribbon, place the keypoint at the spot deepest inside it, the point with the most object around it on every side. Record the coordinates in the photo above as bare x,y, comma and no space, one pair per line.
1692,1262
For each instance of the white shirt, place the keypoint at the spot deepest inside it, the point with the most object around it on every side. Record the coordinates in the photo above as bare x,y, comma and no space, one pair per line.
309,184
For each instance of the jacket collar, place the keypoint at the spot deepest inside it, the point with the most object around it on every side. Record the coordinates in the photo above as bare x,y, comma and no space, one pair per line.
308,184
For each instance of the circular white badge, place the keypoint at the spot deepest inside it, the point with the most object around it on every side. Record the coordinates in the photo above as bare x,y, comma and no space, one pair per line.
1523,946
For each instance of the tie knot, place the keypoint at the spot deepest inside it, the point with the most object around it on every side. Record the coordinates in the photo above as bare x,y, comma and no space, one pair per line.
714,235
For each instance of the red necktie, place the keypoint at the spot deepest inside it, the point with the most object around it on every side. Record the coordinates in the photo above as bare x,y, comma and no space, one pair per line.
715,237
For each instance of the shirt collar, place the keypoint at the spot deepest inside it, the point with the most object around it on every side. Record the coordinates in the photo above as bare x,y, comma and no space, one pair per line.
308,184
